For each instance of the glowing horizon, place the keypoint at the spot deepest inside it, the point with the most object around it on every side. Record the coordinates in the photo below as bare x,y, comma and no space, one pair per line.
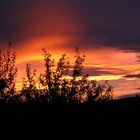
107,32
103,70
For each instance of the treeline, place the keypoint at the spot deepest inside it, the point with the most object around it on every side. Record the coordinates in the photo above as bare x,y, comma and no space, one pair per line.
55,87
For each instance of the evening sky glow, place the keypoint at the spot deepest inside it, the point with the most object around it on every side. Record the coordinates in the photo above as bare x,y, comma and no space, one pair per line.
107,32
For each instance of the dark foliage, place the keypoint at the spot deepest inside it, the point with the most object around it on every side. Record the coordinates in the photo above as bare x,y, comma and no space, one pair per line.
8,72
55,86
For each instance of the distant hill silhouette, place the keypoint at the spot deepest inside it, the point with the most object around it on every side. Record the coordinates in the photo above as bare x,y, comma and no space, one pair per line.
132,95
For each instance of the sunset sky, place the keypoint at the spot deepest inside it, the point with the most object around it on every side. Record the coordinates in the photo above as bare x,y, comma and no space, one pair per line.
106,31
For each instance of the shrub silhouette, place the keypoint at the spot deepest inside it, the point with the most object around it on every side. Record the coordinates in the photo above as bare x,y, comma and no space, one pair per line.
56,87
29,90
8,72
77,89
3,85
78,66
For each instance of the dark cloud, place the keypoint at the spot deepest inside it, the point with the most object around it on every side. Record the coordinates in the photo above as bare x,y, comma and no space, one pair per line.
132,76
96,72
123,43
108,23
104,71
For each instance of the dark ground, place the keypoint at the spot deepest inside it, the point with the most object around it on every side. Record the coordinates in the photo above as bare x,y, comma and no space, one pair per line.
98,120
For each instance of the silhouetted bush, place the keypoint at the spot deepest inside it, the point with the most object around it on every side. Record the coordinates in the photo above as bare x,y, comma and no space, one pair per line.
78,66
78,89
8,72
55,87
29,90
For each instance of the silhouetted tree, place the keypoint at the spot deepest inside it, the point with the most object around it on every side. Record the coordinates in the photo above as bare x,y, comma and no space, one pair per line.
79,89
61,71
55,87
3,85
47,79
31,76
78,66
8,72
29,90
